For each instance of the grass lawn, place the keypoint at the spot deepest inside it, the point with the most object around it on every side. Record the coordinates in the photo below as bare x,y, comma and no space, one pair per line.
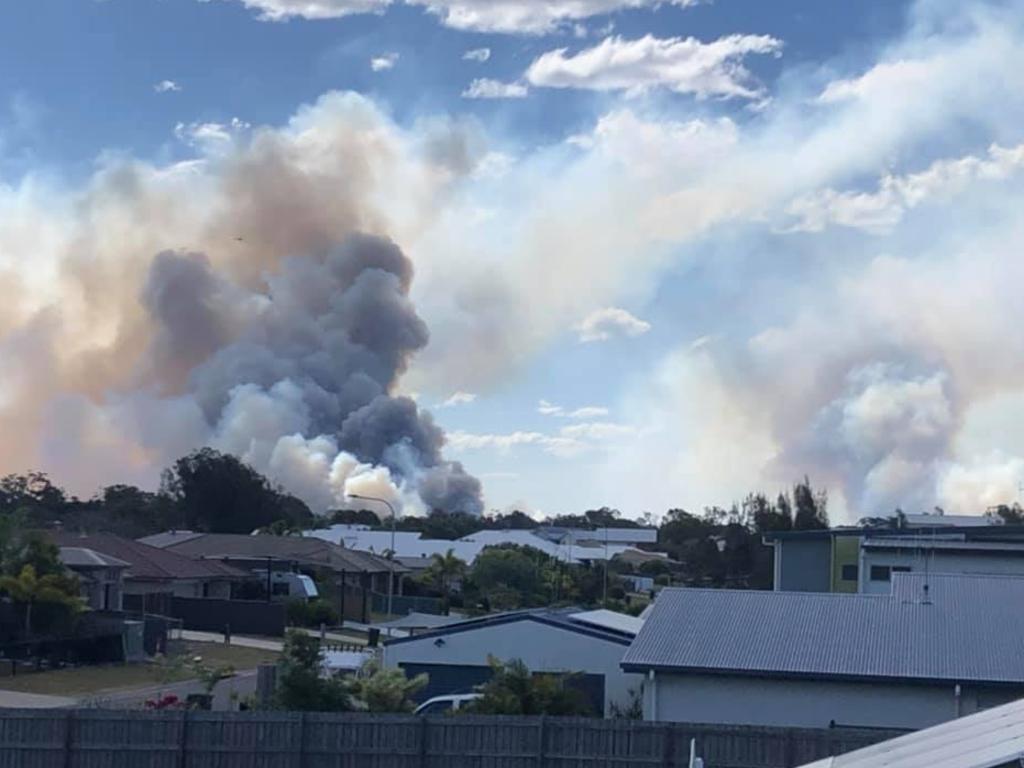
86,680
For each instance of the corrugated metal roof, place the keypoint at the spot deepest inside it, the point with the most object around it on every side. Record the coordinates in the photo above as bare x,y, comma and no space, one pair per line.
620,622
968,629
987,739
923,542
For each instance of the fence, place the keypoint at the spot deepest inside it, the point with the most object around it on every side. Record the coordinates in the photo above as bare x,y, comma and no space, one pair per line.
111,739
402,605
244,617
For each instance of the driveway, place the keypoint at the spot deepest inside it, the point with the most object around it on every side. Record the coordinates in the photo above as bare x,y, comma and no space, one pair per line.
17,700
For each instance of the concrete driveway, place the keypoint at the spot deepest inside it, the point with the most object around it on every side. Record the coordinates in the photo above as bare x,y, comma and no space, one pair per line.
17,700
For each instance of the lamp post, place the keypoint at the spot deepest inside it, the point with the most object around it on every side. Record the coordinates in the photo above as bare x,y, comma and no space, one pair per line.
391,565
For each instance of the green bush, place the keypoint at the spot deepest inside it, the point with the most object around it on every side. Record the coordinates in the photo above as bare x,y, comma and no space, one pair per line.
312,613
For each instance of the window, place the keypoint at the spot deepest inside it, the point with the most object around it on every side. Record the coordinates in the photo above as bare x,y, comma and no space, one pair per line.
880,573
900,569
849,573
279,588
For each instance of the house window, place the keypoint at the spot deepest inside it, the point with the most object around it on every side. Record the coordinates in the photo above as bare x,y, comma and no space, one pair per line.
881,573
900,569
849,573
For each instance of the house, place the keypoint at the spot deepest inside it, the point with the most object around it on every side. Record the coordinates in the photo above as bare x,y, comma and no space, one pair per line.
857,559
153,576
933,649
565,544
101,577
990,739
352,578
554,641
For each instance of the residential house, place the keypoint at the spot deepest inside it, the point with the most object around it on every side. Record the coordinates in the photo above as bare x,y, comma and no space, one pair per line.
990,739
154,576
101,577
590,644
863,559
933,649
356,581
565,544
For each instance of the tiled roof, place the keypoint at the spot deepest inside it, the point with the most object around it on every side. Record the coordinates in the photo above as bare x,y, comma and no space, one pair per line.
964,628
146,562
311,552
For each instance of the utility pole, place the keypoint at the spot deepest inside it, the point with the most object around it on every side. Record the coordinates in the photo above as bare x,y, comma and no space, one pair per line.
391,564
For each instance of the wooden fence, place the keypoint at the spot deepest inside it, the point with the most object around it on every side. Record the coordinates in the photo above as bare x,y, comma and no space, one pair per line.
116,739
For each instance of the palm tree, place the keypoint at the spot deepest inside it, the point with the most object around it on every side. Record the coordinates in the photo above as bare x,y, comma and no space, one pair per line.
444,571
30,589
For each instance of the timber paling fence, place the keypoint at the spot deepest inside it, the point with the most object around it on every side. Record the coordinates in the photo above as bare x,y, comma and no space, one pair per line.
119,739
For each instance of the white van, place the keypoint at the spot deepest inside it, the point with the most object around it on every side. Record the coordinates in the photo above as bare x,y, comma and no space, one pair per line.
451,702
285,585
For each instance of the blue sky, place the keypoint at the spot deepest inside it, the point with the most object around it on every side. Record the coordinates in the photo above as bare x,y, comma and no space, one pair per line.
687,250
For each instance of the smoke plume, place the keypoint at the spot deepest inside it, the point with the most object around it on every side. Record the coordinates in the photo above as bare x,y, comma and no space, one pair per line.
281,335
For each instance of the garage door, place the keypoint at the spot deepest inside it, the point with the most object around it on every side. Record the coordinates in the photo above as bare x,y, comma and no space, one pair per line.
447,678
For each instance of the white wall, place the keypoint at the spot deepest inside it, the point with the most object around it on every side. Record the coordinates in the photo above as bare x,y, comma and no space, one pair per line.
805,703
937,562
543,648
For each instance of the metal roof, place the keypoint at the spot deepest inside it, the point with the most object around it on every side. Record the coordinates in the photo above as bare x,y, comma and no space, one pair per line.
561,618
987,739
620,622
967,628
416,620
924,542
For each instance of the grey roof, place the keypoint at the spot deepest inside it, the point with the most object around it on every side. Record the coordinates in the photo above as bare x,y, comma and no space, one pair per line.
83,557
965,628
415,620
994,737
924,542
306,551
563,618
168,538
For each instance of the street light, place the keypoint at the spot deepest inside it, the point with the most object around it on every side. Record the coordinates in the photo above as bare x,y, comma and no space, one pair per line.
391,567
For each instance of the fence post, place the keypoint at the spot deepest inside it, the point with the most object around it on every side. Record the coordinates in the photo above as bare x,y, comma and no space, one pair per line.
668,755
183,751
300,748
790,754
541,733
423,742
69,723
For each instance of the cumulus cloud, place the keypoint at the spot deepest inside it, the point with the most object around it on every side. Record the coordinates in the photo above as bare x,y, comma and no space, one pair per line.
682,65
384,62
282,10
507,16
166,86
607,323
486,88
568,442
585,412
880,211
479,55
458,398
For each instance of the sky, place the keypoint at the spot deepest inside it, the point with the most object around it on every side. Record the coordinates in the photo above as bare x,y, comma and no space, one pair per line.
624,253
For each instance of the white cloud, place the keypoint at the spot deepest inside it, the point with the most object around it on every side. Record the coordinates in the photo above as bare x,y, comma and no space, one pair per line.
210,136
507,16
604,324
477,54
486,88
883,80
458,398
879,211
282,10
586,412
682,65
569,442
383,62
166,86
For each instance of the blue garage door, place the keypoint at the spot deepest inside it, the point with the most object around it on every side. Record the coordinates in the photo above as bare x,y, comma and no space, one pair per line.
447,678
464,678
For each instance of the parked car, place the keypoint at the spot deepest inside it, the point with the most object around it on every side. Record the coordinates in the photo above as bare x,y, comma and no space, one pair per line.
451,702
292,586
